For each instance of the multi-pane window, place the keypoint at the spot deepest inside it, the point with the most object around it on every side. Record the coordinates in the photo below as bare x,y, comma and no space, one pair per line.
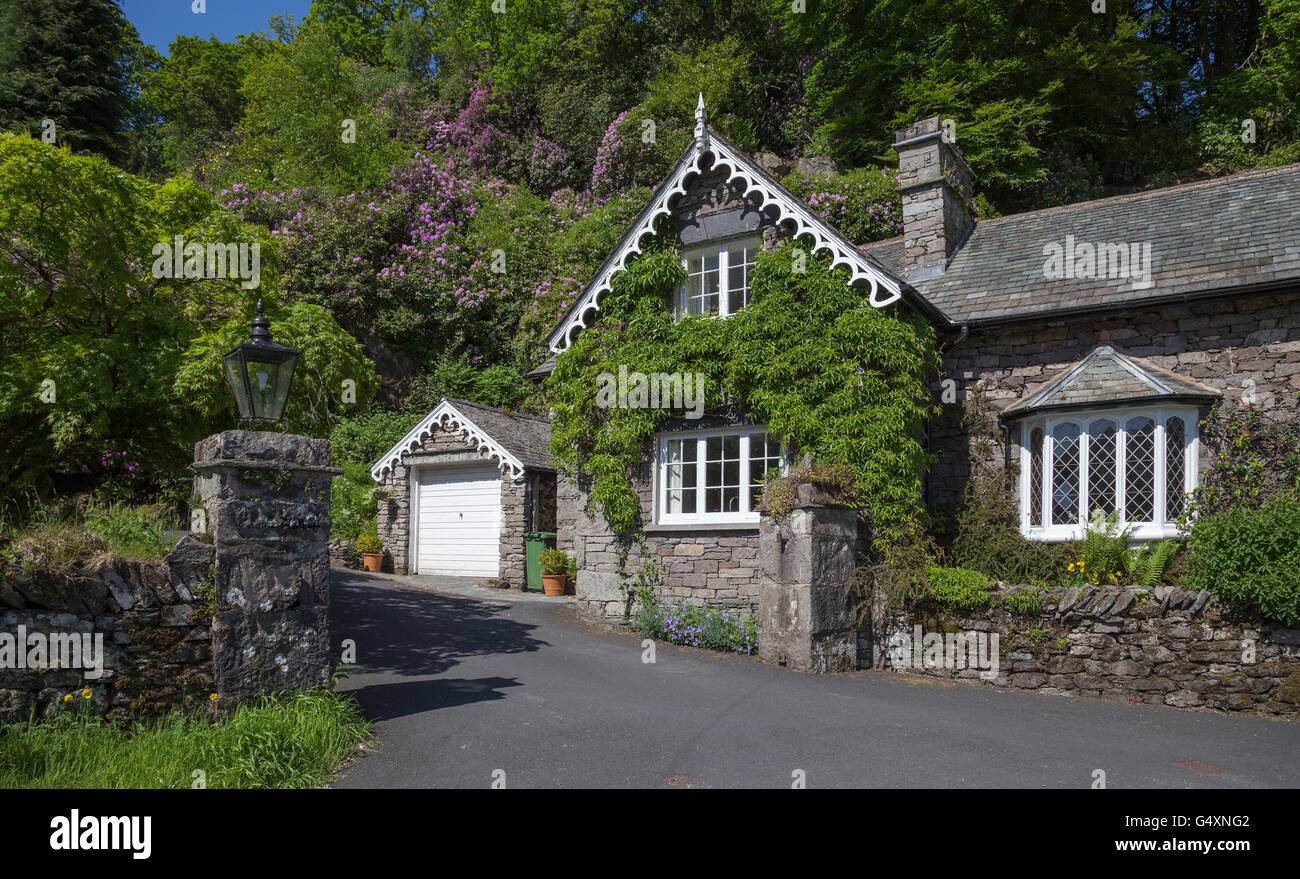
1036,477
1175,465
1138,465
764,456
715,476
717,278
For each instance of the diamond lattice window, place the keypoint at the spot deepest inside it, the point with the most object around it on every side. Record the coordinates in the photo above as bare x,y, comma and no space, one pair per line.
1175,468
1136,465
1065,474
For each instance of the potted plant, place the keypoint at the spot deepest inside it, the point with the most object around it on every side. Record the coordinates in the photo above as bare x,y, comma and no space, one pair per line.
572,573
555,569
372,551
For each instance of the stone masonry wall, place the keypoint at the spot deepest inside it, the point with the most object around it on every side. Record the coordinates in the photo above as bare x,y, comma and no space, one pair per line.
513,525
266,496
1161,647
156,622
718,567
1249,343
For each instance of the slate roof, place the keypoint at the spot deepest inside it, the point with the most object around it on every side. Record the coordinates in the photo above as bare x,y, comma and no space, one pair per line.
1208,237
542,371
527,437
1106,377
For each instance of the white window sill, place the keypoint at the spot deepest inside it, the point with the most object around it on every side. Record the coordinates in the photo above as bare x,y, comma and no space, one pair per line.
671,527
1063,533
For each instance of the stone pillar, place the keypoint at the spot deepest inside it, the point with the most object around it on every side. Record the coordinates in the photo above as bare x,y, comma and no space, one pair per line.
266,499
804,606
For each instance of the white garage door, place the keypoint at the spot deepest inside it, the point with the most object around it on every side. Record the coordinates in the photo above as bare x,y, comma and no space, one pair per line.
459,528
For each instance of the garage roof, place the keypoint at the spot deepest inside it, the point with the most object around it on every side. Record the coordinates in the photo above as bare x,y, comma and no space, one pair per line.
517,441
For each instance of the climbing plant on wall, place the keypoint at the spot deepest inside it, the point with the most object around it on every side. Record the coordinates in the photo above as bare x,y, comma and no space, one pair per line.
809,357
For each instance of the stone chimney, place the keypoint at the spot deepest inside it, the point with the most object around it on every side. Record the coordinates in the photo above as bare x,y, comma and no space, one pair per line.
937,187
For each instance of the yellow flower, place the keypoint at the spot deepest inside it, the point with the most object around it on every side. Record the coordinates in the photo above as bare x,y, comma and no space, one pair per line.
86,693
67,698
213,697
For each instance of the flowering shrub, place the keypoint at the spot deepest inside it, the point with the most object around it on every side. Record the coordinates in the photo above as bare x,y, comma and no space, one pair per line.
624,159
693,626
1102,553
863,203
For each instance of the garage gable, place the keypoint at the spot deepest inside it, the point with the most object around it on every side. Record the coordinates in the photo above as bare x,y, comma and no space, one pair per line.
517,442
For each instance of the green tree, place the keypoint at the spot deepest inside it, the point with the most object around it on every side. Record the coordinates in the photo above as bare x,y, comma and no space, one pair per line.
332,369
362,28
89,337
310,119
197,93
59,60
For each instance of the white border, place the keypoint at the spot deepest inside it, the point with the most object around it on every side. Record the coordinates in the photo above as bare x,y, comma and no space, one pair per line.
700,519
413,517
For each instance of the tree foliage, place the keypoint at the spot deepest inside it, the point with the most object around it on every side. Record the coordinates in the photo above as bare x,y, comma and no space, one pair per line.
60,61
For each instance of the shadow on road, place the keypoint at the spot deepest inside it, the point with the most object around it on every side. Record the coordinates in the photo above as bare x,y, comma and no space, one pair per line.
417,633
389,701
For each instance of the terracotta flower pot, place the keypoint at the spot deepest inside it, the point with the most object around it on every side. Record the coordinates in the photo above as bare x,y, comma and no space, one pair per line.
372,561
553,584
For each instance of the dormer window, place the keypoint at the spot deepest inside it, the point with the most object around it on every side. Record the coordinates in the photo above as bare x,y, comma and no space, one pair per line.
717,278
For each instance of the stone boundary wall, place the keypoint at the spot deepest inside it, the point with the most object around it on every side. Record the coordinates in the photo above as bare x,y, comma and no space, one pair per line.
1160,647
241,613
156,622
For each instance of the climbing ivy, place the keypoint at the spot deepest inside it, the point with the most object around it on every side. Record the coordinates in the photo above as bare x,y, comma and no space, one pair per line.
809,357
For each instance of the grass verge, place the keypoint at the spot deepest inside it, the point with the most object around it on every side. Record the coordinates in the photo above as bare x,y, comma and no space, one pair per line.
289,742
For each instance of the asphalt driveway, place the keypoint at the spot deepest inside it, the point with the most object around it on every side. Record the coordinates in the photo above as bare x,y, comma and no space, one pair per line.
466,687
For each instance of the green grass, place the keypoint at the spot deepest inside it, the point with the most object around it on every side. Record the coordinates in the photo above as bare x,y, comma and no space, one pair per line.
291,742
60,539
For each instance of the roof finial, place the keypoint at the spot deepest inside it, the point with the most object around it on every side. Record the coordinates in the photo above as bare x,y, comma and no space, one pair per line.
701,123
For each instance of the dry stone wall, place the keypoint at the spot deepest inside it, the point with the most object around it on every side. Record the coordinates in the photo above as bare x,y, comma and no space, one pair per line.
154,620
1164,646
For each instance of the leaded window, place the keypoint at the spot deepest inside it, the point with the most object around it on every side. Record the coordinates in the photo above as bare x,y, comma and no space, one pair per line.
1134,464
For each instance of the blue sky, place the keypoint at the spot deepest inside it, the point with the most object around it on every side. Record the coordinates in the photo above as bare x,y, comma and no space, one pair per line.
159,21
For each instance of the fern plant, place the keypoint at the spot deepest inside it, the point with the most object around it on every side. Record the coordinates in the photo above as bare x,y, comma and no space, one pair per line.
1147,564
1103,551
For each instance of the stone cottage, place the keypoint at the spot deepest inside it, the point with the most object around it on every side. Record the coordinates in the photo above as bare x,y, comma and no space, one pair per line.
1101,333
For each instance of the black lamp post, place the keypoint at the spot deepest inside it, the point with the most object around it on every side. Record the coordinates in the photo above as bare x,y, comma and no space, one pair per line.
260,373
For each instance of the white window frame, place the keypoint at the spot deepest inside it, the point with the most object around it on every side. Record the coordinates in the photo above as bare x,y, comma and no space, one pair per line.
745,515
1160,528
724,251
